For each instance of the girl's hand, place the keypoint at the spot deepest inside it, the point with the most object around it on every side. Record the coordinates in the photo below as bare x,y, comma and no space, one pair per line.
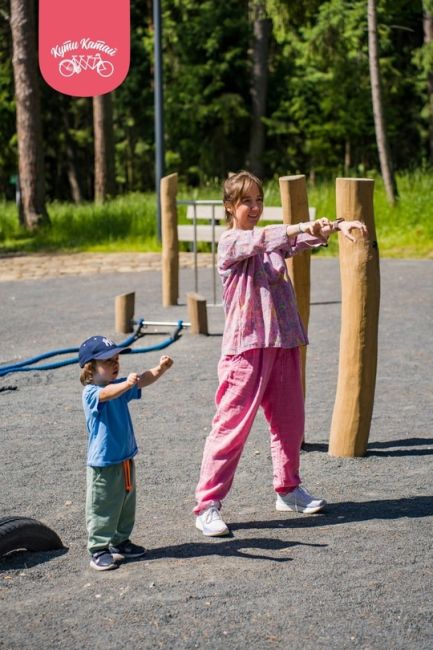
320,228
346,226
165,362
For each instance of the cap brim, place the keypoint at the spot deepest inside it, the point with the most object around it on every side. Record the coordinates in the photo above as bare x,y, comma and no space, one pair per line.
108,354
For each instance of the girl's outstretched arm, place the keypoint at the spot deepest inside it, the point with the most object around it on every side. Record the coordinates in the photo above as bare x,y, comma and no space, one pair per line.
345,227
308,234
236,245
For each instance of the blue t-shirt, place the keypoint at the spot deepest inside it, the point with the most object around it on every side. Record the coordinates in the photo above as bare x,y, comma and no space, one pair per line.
109,425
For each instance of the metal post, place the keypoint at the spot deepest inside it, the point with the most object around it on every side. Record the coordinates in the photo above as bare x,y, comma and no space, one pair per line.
213,254
159,109
195,249
212,203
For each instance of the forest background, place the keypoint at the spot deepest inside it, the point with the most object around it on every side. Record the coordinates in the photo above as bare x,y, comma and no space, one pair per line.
275,86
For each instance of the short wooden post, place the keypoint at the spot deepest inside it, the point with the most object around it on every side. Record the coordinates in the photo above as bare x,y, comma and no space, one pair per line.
293,190
170,245
197,313
360,296
124,306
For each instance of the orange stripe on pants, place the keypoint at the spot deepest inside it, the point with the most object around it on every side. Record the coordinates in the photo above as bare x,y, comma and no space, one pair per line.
127,474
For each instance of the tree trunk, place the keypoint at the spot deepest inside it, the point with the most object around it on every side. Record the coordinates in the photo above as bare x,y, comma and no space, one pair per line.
104,147
71,169
428,37
130,161
376,94
347,157
262,28
33,212
71,163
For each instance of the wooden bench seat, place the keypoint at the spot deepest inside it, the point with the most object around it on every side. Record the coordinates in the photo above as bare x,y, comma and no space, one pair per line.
204,232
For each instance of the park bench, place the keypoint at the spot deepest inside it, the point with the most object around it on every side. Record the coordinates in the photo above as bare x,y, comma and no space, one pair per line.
213,211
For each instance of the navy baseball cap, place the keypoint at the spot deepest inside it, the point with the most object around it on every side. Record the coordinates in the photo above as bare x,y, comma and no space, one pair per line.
98,347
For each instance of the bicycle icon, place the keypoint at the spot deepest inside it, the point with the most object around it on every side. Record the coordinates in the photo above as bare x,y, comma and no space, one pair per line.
76,64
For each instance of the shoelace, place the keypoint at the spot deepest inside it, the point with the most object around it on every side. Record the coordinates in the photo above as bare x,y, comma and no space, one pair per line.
212,514
304,497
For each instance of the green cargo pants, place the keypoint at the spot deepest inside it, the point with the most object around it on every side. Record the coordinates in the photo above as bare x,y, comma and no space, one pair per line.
110,508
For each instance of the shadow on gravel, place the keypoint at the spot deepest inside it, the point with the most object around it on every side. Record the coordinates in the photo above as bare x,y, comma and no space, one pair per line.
315,446
374,448
26,559
387,445
228,547
350,511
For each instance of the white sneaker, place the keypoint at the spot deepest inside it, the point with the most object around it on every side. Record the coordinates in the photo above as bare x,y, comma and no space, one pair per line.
300,500
211,523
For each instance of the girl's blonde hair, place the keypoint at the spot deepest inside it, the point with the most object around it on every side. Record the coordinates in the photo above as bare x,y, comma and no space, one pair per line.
86,374
234,188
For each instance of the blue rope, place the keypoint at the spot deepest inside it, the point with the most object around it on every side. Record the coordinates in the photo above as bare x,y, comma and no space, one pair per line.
27,364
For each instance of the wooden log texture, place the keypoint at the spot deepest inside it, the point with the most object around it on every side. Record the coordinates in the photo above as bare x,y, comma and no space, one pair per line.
293,191
360,297
124,306
170,246
197,313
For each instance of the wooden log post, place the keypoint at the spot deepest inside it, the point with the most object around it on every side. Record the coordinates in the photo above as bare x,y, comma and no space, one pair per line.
124,306
197,313
293,191
360,296
170,245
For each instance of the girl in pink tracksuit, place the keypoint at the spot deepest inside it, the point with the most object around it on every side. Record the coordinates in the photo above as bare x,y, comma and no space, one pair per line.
260,361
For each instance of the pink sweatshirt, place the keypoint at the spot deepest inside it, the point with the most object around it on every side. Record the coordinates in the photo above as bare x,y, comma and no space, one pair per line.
259,299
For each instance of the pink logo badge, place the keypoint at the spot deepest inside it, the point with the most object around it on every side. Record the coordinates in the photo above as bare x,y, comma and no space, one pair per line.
84,45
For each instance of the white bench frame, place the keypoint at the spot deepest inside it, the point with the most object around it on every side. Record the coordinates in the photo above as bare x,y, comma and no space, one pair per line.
213,212
205,232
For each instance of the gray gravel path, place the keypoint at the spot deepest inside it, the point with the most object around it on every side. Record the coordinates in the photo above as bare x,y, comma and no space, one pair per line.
358,576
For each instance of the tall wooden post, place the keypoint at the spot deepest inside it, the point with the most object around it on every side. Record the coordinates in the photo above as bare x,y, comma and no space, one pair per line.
360,296
170,245
293,191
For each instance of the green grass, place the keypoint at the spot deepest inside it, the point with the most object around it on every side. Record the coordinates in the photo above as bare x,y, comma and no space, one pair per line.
404,231
128,223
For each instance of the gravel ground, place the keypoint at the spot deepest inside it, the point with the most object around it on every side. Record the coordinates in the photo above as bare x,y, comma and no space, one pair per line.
358,576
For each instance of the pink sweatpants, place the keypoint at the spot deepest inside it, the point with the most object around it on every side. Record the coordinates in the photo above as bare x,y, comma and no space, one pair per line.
267,377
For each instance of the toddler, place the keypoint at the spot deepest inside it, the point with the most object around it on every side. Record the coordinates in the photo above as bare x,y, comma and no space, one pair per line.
111,494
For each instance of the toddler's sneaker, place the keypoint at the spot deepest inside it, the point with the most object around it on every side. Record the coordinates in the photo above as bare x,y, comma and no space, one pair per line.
211,523
126,550
103,560
299,500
